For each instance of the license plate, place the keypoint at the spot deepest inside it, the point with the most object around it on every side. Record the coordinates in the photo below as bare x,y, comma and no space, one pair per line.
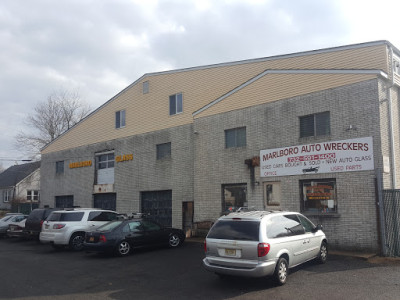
230,252
91,239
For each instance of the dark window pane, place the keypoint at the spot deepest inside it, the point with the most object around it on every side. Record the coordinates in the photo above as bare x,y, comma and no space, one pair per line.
59,167
235,137
307,126
322,123
235,230
230,138
117,119
241,137
172,105
163,150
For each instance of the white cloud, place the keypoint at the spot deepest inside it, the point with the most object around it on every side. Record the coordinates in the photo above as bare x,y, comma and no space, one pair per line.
99,46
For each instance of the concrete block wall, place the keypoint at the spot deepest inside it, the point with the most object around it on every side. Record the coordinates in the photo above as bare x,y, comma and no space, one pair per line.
275,125
143,173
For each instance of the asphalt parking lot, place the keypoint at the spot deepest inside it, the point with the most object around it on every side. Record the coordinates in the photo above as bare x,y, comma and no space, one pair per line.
31,270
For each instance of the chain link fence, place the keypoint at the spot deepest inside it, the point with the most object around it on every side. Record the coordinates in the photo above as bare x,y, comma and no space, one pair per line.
391,223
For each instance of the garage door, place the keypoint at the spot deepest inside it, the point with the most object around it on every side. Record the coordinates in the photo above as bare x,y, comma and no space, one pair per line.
105,201
64,201
159,205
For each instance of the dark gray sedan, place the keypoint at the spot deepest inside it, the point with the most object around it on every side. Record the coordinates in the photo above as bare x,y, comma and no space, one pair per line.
120,237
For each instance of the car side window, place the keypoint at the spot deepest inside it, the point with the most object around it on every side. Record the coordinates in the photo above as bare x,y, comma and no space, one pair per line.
307,224
150,226
134,226
102,216
284,226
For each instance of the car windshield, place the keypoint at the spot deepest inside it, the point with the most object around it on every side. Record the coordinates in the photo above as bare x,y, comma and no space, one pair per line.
235,230
109,226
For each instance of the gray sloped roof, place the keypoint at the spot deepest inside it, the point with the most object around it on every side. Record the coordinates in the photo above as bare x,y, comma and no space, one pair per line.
15,174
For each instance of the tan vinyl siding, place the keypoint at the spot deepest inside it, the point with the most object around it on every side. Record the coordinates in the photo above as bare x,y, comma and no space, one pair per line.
200,86
275,87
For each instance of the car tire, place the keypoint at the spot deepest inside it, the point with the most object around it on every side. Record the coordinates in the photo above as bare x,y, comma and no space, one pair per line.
281,271
123,248
76,241
174,240
323,253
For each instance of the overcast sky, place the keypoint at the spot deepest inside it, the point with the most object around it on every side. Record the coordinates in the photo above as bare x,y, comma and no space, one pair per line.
99,47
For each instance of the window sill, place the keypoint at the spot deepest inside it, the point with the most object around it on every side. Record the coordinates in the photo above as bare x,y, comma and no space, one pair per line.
324,215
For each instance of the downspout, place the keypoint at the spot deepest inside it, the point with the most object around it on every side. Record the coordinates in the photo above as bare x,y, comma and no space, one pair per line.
391,129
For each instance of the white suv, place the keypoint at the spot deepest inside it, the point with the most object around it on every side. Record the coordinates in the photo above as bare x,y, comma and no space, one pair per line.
67,227
262,243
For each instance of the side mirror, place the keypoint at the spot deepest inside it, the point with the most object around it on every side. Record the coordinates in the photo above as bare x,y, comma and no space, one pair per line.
317,228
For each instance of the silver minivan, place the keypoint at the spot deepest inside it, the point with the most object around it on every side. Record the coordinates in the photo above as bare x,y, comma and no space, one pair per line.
263,243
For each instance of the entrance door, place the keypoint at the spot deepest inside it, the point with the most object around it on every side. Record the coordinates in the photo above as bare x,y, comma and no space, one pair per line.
233,197
158,204
187,217
105,201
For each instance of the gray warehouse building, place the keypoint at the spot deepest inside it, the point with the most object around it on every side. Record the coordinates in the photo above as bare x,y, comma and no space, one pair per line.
315,132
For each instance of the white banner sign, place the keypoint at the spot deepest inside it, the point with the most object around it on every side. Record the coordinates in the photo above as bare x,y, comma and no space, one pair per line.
328,157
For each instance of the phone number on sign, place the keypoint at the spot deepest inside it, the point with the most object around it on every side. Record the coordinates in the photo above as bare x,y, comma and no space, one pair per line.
312,157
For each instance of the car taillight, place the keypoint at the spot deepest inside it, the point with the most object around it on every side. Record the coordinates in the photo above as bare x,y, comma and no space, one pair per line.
205,246
58,226
102,238
263,249
41,223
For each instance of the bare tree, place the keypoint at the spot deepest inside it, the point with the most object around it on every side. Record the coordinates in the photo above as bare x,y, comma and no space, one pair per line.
51,118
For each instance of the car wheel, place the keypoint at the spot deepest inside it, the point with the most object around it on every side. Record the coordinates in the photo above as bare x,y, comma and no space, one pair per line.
123,248
323,253
76,242
281,271
174,240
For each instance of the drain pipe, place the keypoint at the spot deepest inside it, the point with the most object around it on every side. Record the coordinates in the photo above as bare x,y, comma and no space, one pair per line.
391,130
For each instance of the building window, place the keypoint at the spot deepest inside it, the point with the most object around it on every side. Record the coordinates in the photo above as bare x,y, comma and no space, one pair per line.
7,195
233,197
32,195
145,87
105,161
315,125
163,151
235,137
120,119
318,196
272,194
396,65
60,167
105,168
175,104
